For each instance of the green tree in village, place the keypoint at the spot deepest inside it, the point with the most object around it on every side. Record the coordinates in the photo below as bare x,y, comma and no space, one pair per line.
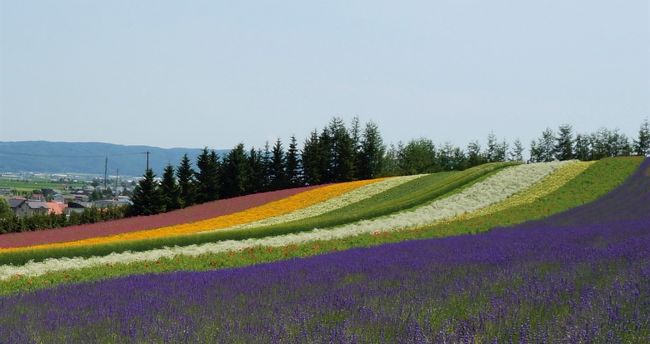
186,182
147,196
170,189
5,210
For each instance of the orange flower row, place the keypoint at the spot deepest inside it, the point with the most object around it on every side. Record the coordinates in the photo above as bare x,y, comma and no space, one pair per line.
276,208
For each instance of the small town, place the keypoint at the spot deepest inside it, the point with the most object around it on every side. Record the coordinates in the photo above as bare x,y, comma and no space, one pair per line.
63,194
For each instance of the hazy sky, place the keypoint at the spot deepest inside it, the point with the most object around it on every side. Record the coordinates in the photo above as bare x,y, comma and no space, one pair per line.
196,73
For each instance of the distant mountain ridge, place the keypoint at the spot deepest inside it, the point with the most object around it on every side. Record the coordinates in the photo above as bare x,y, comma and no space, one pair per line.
88,157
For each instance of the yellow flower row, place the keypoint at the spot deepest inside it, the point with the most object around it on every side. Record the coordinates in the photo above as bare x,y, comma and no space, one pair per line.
549,184
279,207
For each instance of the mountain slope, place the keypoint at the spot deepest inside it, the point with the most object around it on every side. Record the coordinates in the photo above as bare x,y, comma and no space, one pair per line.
87,157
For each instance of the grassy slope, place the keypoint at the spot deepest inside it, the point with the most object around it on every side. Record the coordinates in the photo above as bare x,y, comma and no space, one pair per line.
595,182
437,186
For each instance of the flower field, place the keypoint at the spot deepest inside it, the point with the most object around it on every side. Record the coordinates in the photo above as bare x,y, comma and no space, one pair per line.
558,253
577,276
420,189
191,214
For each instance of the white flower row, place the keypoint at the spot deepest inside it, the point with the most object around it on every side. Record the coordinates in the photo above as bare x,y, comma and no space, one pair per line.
341,201
493,189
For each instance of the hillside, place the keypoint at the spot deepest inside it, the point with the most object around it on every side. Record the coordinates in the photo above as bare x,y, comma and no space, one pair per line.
507,250
86,157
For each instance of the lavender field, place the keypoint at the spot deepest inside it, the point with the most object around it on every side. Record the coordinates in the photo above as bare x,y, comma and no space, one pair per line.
582,276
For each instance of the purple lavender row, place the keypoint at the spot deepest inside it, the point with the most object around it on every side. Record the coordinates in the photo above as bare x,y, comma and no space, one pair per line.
578,277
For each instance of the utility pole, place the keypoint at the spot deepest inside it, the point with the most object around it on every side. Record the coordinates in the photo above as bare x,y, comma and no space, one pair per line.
147,160
106,172
117,178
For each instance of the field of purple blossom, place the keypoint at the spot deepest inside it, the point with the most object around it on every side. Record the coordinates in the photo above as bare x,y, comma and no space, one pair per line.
582,276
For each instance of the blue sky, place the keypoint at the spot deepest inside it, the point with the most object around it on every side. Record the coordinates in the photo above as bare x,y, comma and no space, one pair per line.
215,73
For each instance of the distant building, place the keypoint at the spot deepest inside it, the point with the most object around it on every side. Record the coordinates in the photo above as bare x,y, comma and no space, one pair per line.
19,206
117,202
25,208
77,207
37,197
37,207
56,208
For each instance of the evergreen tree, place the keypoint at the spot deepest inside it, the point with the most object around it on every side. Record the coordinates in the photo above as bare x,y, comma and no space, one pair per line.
147,197
474,155
235,173
502,151
207,176
390,165
256,172
343,152
293,164
186,182
564,143
517,153
311,164
496,151
543,149
266,162
583,149
278,170
492,147
325,156
536,153
459,159
356,136
418,156
642,143
445,157
170,189
371,155
609,143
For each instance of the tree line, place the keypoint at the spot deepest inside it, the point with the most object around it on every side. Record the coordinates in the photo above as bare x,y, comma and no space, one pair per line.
337,153
340,153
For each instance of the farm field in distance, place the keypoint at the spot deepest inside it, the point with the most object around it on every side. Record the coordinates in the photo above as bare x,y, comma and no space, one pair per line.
36,184
500,252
